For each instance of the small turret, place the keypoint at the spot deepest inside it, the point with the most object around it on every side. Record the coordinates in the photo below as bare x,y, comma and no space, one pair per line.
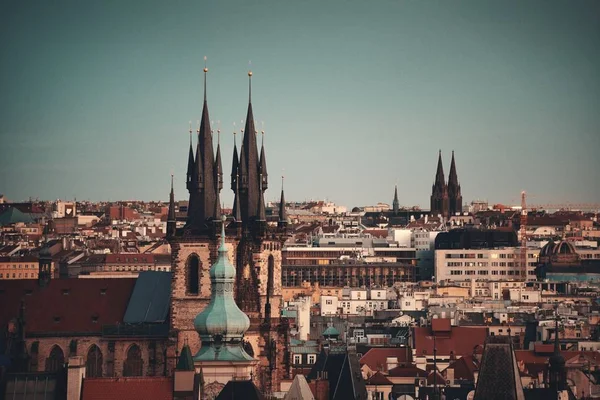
171,220
282,223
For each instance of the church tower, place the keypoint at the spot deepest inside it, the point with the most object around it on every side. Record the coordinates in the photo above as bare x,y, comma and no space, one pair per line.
454,195
194,247
439,191
258,258
253,247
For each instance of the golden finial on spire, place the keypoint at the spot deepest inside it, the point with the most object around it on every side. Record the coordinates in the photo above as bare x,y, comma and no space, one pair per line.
205,68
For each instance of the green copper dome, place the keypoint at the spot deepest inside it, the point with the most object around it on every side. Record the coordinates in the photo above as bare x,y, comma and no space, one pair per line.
222,324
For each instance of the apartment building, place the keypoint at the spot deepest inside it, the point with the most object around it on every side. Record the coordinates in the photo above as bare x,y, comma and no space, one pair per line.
483,264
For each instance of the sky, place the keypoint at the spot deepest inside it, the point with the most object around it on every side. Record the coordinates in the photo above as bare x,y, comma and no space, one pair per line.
354,96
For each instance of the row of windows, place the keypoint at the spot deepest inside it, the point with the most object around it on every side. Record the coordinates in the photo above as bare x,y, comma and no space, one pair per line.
485,272
480,255
311,359
137,268
17,266
17,276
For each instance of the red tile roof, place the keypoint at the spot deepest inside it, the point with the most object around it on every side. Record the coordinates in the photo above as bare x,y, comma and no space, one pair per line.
439,380
376,358
441,325
378,233
378,379
461,341
138,388
530,357
66,305
464,368
409,371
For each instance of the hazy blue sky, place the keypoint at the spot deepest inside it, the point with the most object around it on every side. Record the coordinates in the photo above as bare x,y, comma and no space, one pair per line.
95,96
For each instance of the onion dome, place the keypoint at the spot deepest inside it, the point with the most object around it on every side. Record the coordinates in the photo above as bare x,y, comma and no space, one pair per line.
221,321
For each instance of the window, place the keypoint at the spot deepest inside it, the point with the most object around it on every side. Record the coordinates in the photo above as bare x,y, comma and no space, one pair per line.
312,358
133,364
193,274
56,360
93,364
297,358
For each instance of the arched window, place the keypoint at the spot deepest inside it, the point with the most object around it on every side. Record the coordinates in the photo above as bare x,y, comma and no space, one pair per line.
134,363
56,360
193,274
93,365
271,276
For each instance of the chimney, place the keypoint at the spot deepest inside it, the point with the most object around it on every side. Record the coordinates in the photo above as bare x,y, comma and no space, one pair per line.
76,373
392,362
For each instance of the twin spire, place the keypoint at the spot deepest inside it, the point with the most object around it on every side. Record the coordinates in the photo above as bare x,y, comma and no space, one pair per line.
249,175
446,198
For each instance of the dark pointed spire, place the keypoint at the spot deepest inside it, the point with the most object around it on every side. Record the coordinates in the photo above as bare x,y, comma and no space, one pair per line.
249,166
262,215
237,211
439,174
202,200
218,165
454,194
452,177
263,164
234,165
190,167
395,203
282,212
171,220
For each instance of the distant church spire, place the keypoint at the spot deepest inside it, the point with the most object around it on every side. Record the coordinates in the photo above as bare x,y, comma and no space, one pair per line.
171,220
396,203
454,194
439,191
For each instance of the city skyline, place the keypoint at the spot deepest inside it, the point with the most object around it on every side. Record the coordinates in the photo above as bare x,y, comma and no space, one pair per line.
351,105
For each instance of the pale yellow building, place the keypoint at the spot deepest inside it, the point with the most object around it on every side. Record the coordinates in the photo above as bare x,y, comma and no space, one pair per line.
26,267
